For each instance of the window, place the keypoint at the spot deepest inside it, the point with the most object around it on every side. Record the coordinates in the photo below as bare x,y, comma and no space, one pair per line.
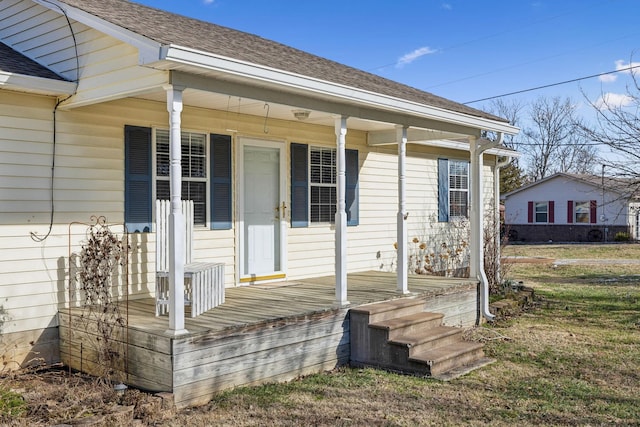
453,189
458,189
322,183
194,171
314,187
542,211
582,211
206,176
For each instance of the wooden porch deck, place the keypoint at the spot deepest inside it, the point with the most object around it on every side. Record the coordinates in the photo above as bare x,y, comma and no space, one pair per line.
257,304
262,333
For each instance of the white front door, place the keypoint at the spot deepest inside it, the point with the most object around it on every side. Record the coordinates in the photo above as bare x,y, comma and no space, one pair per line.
262,210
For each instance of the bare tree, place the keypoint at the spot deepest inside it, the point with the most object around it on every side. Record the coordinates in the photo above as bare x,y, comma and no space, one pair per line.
511,176
617,126
552,142
512,111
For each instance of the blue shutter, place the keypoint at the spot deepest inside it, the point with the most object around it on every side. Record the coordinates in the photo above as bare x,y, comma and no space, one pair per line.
352,197
299,185
138,180
220,173
443,190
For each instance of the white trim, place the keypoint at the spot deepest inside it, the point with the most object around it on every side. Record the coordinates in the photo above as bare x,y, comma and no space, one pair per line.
188,56
39,85
280,145
388,138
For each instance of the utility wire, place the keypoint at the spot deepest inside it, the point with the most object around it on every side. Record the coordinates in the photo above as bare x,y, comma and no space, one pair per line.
553,84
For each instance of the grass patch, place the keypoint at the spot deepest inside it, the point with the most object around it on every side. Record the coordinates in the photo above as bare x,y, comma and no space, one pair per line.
575,251
12,404
572,360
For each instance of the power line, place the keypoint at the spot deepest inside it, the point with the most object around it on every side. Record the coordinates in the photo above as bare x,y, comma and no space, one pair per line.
553,84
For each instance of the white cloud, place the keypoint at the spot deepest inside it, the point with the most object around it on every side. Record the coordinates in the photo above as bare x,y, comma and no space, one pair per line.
208,1
607,78
631,67
412,56
447,6
621,67
611,100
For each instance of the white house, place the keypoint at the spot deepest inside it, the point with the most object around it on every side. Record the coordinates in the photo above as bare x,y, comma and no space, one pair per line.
572,208
298,166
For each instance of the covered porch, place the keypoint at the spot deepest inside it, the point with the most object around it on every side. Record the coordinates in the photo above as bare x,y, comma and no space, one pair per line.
268,332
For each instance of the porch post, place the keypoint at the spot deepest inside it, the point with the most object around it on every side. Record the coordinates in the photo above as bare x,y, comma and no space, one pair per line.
341,213
176,218
476,202
401,225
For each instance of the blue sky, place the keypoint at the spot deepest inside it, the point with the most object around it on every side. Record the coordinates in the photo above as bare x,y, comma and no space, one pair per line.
463,50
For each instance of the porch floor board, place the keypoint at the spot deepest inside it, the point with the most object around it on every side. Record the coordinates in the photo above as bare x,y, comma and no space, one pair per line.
254,304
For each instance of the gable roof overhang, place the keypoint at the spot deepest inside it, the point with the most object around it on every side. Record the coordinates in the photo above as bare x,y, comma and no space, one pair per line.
19,73
372,103
34,84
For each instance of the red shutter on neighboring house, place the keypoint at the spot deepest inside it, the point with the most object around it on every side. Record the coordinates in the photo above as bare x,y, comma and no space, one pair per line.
552,215
593,211
530,212
570,212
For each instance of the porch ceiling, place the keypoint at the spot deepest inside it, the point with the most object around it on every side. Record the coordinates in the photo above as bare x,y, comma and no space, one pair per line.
236,105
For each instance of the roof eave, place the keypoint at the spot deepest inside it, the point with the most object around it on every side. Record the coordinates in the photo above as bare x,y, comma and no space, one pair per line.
38,85
205,60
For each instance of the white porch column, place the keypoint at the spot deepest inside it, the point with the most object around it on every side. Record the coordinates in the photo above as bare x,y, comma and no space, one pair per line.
176,219
477,224
341,213
401,225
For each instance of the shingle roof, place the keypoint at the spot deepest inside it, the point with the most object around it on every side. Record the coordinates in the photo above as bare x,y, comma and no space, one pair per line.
167,28
14,62
628,187
611,183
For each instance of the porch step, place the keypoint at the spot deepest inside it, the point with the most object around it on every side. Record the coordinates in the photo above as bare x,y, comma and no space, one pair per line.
400,336
381,311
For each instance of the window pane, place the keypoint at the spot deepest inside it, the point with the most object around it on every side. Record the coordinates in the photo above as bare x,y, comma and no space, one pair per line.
541,209
162,153
194,170
582,212
458,207
458,188
322,184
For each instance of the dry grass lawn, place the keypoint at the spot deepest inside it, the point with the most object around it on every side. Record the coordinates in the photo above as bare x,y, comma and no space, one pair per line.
572,359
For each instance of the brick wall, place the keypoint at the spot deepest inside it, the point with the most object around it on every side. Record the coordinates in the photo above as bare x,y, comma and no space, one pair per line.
563,233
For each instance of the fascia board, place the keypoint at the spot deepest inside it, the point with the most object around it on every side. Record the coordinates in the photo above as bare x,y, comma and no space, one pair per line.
38,85
148,50
463,146
244,69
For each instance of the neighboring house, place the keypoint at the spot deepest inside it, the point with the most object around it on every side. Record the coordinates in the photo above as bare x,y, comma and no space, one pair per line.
98,99
572,208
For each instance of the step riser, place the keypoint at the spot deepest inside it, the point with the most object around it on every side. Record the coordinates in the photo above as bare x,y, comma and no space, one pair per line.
455,362
390,309
435,343
414,328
